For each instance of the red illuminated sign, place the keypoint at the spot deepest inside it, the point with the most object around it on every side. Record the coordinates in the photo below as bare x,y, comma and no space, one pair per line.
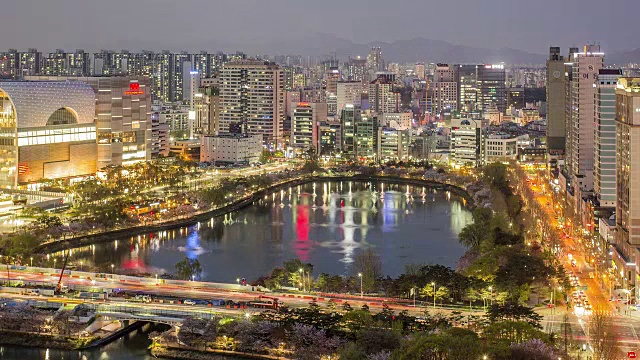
23,169
134,89
632,355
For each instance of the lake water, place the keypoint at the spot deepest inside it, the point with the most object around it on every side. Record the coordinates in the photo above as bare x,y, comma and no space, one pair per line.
323,223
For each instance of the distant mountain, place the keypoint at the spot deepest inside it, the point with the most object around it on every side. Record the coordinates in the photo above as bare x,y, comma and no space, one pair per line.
623,57
402,51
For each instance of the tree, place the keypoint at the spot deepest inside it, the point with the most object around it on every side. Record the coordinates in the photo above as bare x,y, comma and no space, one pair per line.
509,332
368,264
188,269
440,292
534,349
356,320
473,235
514,312
602,335
310,343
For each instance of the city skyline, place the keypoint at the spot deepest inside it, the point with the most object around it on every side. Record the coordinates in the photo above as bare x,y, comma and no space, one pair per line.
194,24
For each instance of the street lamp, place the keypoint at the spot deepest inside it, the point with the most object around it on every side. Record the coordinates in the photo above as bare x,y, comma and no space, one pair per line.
112,269
80,265
361,289
434,294
156,279
302,278
238,281
31,261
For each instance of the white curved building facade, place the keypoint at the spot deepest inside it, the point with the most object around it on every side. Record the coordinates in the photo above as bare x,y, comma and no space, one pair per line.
47,131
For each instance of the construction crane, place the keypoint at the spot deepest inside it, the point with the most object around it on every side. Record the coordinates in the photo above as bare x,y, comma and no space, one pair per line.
58,290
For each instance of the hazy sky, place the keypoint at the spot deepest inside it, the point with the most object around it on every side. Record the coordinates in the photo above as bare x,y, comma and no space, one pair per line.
531,25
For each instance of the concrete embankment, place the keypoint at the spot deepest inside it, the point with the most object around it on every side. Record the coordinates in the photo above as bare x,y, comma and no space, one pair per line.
235,206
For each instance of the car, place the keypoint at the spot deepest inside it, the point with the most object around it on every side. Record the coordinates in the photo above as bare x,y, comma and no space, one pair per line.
189,302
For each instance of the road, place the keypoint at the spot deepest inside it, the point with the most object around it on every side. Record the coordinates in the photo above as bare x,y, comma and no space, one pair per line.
573,256
193,290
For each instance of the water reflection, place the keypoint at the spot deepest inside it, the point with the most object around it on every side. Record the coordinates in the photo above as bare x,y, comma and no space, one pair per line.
323,223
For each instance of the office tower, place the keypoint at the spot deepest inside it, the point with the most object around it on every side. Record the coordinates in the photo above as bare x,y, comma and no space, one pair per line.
628,172
329,137
366,129
393,144
47,131
467,140
349,92
162,74
556,102
585,69
604,171
491,87
332,77
202,109
445,90
420,71
207,111
332,104
515,98
159,142
467,87
304,131
348,125
252,93
382,98
568,70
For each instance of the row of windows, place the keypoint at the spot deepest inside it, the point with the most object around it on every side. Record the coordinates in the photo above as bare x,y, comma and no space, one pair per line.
56,139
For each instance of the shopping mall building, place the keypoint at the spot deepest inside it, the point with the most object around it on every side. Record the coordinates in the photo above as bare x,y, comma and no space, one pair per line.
47,131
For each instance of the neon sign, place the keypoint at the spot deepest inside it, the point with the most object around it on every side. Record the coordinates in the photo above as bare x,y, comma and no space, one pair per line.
134,89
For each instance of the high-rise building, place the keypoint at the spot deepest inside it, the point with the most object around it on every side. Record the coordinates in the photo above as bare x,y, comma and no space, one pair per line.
382,98
491,87
348,125
252,93
556,102
515,98
628,172
420,71
366,129
349,92
9,64
78,63
375,62
604,171
55,64
585,68
30,62
467,87
467,142
304,128
357,70
393,144
445,90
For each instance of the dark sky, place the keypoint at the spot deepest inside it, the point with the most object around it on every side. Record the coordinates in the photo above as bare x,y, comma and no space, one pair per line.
531,25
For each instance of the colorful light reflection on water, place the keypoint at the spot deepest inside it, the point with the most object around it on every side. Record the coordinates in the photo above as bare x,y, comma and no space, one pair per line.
325,224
